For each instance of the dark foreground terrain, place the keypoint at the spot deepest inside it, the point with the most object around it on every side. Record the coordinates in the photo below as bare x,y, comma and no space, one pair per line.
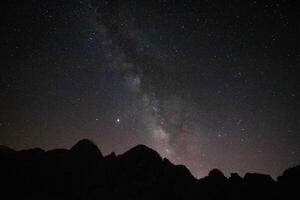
140,173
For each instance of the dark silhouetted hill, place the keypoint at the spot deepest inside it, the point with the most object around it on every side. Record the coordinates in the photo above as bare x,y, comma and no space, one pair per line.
140,173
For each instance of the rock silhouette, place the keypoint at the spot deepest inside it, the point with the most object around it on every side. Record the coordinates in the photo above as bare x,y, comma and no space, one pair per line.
140,173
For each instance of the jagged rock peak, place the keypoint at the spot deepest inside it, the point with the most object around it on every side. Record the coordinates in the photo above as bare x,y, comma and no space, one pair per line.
291,172
258,178
142,152
111,156
86,146
216,173
235,176
5,149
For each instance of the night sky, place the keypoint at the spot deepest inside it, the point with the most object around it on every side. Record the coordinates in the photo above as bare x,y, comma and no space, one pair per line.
207,84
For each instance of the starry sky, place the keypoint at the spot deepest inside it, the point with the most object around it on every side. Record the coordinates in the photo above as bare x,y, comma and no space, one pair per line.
208,84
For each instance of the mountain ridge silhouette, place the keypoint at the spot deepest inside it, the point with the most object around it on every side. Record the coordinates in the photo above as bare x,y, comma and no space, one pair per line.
82,172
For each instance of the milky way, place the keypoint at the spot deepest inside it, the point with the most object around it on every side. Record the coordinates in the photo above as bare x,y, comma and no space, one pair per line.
164,116
207,84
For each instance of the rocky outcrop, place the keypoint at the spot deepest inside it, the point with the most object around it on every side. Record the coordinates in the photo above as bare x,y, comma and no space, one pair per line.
140,173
